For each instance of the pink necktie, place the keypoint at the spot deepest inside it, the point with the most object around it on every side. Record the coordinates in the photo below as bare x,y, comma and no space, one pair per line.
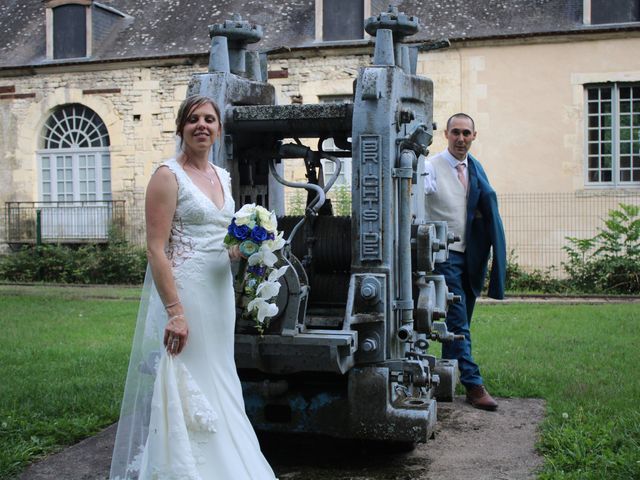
463,180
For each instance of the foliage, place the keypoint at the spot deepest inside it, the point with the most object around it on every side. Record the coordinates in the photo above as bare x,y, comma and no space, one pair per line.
117,262
297,203
342,201
608,262
520,280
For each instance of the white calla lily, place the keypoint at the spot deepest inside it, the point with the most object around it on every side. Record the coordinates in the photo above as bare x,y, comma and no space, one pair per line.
264,308
276,274
268,289
277,243
264,256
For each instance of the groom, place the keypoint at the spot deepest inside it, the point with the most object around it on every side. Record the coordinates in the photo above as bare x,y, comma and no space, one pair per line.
457,190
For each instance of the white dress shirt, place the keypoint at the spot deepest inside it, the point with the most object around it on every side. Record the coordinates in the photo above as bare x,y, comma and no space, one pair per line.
430,180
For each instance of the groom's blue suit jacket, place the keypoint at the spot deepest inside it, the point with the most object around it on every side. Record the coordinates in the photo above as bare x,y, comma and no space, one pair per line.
484,232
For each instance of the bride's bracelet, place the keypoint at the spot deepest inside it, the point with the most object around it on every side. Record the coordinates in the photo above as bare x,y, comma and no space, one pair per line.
176,316
173,304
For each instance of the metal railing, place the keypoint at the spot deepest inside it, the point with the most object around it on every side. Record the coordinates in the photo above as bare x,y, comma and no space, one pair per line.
63,222
537,224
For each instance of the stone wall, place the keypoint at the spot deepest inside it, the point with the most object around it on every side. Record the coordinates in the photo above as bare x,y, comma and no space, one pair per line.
137,104
321,74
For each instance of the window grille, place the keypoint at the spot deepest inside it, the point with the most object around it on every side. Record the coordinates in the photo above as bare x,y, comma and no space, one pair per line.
75,163
613,134
75,126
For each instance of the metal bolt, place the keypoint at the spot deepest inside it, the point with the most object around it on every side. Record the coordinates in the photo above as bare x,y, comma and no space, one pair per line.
369,290
369,345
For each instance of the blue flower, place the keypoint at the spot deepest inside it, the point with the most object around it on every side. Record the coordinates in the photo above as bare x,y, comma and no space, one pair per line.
257,270
241,232
248,248
231,226
259,234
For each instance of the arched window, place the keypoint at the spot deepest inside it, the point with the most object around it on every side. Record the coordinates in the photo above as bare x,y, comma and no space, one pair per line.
74,159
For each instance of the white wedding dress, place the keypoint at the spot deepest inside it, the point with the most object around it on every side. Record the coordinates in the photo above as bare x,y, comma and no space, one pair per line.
183,417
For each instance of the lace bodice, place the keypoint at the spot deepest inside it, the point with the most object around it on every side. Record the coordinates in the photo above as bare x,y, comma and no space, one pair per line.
198,226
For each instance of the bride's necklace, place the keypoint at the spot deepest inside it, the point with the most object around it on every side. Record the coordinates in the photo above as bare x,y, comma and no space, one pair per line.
202,174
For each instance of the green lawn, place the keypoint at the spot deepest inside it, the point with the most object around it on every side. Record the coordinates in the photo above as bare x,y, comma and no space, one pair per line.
62,365
64,361
585,361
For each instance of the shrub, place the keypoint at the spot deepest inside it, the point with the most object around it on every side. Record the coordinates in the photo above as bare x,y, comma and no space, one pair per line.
520,280
297,203
117,262
342,201
609,262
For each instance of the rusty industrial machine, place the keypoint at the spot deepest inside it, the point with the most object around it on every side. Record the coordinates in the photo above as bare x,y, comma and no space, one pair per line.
348,353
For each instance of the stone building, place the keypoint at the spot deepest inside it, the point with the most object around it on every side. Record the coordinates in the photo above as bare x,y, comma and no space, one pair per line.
89,92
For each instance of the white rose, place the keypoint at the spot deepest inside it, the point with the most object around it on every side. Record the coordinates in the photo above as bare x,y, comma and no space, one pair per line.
267,219
245,216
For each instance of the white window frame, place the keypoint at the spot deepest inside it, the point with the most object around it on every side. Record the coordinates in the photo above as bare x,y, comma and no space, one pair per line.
76,132
101,182
616,141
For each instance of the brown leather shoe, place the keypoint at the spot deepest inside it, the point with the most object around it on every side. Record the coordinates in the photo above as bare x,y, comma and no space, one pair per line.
478,397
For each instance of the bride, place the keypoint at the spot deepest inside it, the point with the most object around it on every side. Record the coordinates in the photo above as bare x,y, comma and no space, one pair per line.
183,413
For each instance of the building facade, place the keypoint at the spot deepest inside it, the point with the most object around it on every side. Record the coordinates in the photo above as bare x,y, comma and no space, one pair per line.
89,92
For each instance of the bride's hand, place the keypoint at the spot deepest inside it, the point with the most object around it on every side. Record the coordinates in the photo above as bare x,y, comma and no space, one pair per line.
175,334
234,253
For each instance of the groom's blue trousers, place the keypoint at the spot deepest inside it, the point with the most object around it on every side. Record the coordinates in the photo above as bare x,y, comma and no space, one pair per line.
459,318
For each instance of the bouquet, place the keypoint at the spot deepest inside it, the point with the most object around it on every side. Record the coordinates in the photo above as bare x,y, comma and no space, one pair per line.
254,230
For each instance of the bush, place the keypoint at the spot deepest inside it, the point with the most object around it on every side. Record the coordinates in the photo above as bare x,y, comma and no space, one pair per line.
342,201
297,203
609,262
117,262
520,280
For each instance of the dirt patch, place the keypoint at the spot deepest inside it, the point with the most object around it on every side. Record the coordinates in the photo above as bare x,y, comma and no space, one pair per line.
486,445
469,444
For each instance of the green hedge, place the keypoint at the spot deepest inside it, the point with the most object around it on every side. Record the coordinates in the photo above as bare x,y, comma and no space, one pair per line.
114,263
